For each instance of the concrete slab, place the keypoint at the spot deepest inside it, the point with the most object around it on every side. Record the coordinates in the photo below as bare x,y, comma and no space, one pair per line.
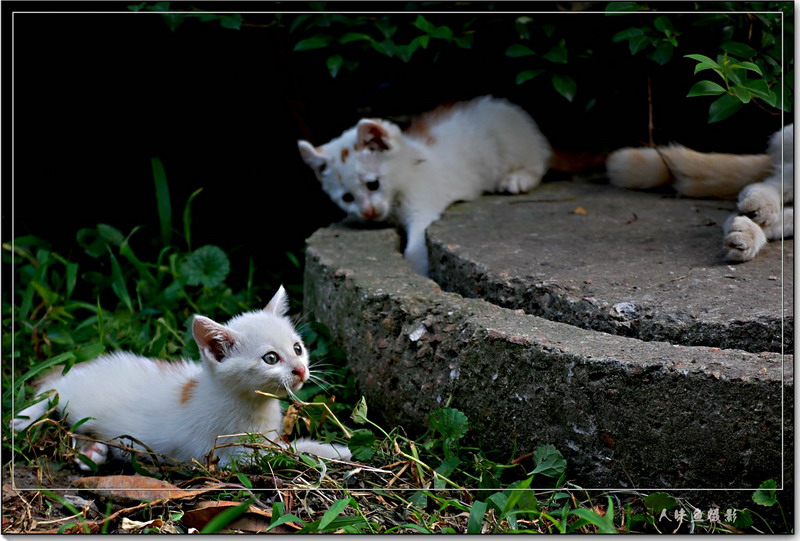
631,263
626,413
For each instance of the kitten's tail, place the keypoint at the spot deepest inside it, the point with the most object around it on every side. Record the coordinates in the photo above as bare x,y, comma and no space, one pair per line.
33,413
693,174
326,450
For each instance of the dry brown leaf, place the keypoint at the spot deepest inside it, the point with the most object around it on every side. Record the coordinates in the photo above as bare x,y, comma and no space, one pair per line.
579,211
135,488
254,520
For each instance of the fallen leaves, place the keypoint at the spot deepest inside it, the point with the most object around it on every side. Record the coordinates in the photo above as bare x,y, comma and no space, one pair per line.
135,488
253,520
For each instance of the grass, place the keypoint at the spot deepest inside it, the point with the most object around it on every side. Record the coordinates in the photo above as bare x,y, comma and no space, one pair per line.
67,310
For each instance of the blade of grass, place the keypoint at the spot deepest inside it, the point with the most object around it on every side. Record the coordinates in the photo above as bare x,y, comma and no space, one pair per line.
162,201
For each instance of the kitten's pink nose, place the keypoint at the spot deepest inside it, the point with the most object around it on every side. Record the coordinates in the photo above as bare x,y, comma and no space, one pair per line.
300,372
370,214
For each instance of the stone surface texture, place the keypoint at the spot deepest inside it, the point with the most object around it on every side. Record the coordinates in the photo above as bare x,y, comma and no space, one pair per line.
624,262
625,412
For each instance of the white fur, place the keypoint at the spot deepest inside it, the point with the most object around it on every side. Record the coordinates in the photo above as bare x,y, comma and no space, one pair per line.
763,216
484,145
147,399
764,184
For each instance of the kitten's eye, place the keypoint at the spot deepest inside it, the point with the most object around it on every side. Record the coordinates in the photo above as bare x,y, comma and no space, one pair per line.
348,198
373,185
298,349
270,358
322,168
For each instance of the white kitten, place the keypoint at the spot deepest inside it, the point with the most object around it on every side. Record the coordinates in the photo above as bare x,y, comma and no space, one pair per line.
179,408
455,153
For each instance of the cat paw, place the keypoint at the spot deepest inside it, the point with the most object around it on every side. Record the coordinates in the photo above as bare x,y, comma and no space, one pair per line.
743,239
517,182
95,451
761,203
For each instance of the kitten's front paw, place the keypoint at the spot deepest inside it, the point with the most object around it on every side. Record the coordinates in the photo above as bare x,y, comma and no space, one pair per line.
516,182
761,203
743,239
95,451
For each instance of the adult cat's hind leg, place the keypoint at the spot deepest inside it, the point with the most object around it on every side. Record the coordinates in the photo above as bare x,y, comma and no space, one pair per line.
763,203
743,238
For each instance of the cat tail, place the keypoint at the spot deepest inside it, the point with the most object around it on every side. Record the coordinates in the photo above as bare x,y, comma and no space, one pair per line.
692,174
33,413
325,450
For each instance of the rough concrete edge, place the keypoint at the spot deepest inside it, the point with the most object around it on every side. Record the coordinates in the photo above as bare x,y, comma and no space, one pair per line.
360,287
551,301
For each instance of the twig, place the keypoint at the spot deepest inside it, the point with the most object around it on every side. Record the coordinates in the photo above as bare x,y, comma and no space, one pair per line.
318,404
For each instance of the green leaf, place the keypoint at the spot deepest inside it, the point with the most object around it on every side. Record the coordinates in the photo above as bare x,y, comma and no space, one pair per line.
527,75
440,32
624,6
187,218
663,24
476,515
517,50
334,511
723,108
759,88
604,524
549,461
449,422
742,93
748,66
162,201
515,496
360,411
334,64
361,443
628,33
564,85
704,63
739,49
244,480
110,234
705,88
557,54
637,43
233,22
662,53
314,42
355,36
118,284
766,495
208,266
743,519
219,522
659,501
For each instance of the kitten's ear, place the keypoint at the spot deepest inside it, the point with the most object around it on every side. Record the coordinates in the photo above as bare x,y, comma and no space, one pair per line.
373,134
279,304
310,154
213,340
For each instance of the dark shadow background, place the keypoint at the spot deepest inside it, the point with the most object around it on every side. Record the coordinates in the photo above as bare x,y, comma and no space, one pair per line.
97,95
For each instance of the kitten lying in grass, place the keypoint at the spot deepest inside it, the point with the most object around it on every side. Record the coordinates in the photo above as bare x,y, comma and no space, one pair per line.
179,408
375,171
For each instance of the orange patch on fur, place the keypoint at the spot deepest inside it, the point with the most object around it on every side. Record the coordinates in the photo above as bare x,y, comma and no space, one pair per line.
420,127
187,390
345,153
